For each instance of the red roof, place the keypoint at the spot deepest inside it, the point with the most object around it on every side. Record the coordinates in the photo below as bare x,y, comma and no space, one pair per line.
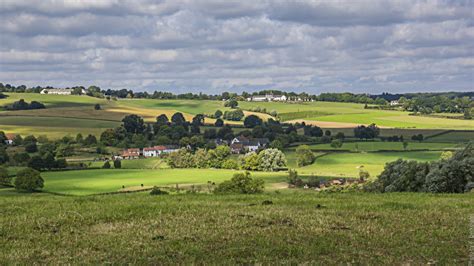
10,136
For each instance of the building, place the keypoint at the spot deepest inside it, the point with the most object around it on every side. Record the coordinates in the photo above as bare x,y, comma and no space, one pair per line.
131,153
10,137
243,144
159,150
394,103
267,98
59,91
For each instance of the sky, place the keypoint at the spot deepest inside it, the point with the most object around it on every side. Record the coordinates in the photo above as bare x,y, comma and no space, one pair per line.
248,45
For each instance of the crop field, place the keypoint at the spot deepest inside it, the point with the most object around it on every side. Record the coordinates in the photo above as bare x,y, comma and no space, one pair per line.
400,228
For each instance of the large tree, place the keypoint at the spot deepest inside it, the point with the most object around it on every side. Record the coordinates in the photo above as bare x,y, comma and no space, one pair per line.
29,180
133,124
252,121
304,155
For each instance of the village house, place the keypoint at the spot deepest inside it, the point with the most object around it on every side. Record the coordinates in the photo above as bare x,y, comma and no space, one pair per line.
59,91
158,150
394,103
267,98
244,144
133,153
10,137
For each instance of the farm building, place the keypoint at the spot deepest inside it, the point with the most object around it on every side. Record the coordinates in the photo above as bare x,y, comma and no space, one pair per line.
267,98
158,150
131,153
10,137
242,143
59,91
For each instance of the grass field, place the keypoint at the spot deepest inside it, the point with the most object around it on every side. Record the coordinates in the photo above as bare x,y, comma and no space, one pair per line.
350,114
347,164
375,229
86,182
392,146
70,107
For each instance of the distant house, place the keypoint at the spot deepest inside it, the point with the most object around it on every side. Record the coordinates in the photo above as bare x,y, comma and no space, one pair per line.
267,98
394,103
59,91
243,144
10,138
159,150
131,153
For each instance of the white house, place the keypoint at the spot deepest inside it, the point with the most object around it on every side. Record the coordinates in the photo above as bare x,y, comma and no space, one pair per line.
9,140
267,98
394,103
57,91
158,150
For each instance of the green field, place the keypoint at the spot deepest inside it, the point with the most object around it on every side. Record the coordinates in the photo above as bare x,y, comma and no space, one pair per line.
86,182
392,146
61,108
347,164
361,229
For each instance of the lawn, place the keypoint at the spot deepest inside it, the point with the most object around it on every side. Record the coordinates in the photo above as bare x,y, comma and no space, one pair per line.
147,163
347,164
361,229
86,182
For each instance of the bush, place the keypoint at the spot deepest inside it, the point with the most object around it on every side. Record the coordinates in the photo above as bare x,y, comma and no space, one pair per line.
241,183
158,191
29,180
304,155
4,177
106,165
271,160
97,107
230,164
117,164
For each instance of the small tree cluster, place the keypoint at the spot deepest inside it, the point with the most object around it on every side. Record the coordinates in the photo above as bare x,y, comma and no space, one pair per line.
241,183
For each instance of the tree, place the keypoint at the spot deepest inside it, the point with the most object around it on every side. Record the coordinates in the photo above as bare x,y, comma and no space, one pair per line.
36,162
31,147
97,106
304,155
218,114
403,176
252,121
235,115
3,138
17,140
327,133
29,180
79,138
276,144
178,119
249,161
3,155
241,183
405,145
271,160
106,165
231,103
340,136
337,143
162,120
219,122
117,164
5,179
418,137
366,132
363,174
90,140
134,124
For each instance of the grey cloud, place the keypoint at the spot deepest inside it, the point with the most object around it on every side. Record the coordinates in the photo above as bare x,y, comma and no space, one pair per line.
212,46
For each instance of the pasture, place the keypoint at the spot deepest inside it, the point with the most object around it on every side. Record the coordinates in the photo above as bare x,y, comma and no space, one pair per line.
364,146
87,182
62,108
299,227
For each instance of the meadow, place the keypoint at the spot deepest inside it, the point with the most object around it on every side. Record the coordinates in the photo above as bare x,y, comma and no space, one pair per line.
298,227
66,110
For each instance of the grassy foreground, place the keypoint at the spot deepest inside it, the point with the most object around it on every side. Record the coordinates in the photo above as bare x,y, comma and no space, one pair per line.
215,229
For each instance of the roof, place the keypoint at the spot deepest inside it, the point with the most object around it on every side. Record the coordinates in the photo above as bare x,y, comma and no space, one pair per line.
10,136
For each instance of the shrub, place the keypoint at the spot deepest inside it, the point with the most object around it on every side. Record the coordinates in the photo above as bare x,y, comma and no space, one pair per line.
293,178
29,180
106,165
158,191
230,164
97,107
304,155
241,183
4,177
271,160
337,143
117,164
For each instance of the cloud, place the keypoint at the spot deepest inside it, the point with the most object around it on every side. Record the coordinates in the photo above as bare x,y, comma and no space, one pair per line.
212,46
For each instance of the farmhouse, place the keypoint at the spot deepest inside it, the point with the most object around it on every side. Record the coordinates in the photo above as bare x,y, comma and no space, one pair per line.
158,150
394,103
131,153
267,98
59,91
243,144
10,137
